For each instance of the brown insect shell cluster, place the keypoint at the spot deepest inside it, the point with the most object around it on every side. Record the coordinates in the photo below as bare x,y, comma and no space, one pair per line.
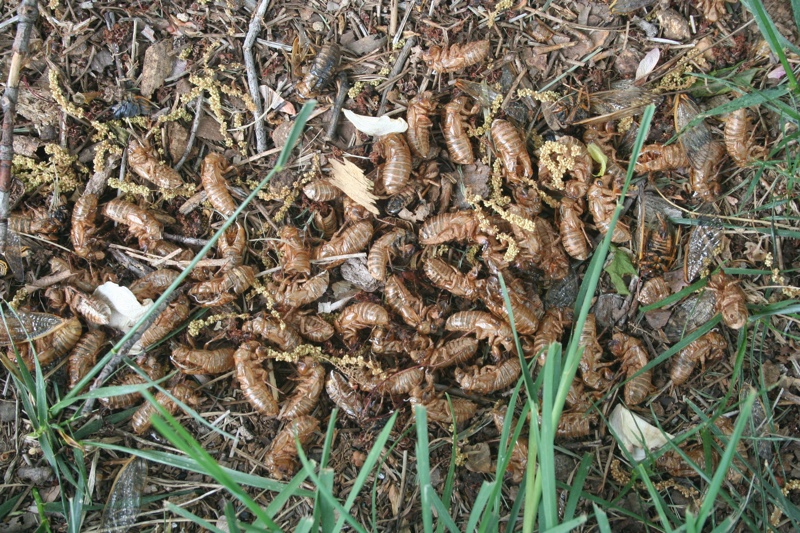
454,127
141,223
456,57
183,392
485,327
154,370
516,161
252,378
418,114
281,458
602,202
149,167
731,300
396,170
83,229
710,346
223,288
634,357
212,177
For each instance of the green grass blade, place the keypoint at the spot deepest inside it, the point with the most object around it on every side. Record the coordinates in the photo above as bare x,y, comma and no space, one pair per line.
771,35
327,446
180,511
547,469
323,513
655,498
725,462
305,525
189,464
514,513
172,430
297,128
344,514
230,518
576,488
484,495
602,519
423,465
6,506
568,525
283,495
443,513
451,472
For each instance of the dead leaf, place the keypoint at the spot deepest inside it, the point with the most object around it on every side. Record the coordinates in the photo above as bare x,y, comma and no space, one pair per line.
355,271
635,434
420,213
648,63
376,126
394,498
157,66
352,181
479,458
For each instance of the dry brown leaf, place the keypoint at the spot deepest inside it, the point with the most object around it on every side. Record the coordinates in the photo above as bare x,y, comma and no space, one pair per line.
479,458
352,181
158,60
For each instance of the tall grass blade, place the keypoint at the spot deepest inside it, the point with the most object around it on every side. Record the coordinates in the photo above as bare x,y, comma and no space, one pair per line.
423,465
305,525
655,498
602,519
230,517
481,500
772,36
569,525
283,495
323,513
576,489
443,513
196,520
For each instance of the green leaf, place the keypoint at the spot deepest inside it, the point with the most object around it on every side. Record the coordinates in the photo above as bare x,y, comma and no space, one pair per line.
721,82
619,266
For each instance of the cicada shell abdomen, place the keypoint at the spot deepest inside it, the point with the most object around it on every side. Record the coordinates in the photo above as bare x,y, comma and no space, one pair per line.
456,56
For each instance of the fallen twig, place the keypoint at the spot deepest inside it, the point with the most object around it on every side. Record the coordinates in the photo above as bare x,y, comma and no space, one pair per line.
198,112
399,65
341,96
28,12
252,74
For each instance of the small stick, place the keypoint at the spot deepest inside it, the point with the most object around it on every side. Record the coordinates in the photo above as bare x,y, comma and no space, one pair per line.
399,65
198,112
112,365
252,75
137,267
185,240
27,12
344,87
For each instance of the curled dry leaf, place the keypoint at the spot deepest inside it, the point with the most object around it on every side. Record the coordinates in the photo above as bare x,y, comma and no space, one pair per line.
376,126
634,434
125,308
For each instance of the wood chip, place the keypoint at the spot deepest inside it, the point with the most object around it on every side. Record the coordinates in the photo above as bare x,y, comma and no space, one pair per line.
352,181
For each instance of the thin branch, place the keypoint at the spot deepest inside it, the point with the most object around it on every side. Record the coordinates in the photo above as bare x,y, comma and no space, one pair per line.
28,12
341,96
399,65
252,74
198,112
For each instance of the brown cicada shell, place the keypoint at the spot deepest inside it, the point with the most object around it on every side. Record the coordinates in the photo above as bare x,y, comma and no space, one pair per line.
527,309
142,224
281,459
216,186
359,316
703,152
491,378
224,288
654,290
39,221
402,200
83,357
484,326
167,322
382,251
456,56
406,304
52,347
634,358
657,247
450,279
306,393
83,227
148,167
602,203
321,191
516,161
575,425
191,361
253,379
454,126
183,392
169,249
420,108
396,171
278,333
323,67
454,352
325,221
459,226
709,347
295,254
89,307
658,158
153,284
298,293
397,382
313,328
739,140
551,328
595,374
573,233
231,247
353,239
439,408
343,395
731,300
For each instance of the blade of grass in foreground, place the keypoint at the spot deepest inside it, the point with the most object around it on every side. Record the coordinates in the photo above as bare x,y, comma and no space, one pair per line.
772,36
294,135
423,465
180,511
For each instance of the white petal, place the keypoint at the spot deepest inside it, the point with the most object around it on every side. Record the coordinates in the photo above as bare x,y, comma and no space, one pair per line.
125,308
648,63
377,126
635,434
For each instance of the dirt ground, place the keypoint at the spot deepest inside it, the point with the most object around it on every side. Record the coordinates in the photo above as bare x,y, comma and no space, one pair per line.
166,116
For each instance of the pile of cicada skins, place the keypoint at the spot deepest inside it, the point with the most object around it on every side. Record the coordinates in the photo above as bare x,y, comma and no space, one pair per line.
433,316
